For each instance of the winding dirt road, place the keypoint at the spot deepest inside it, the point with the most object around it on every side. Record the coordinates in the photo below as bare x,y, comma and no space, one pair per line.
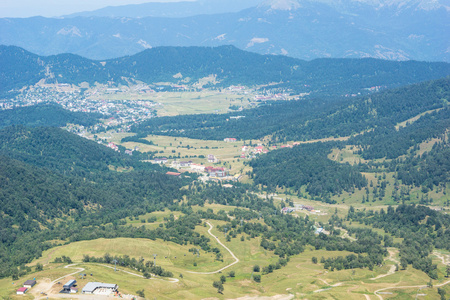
236,260
406,287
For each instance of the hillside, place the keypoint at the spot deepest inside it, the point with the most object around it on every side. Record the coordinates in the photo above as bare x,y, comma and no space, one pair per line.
50,178
370,136
309,119
229,64
307,29
45,115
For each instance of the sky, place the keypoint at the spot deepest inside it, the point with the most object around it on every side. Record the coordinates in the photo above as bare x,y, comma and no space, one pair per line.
54,8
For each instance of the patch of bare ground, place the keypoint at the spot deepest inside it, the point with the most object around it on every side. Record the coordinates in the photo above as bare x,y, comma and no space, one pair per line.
443,257
413,119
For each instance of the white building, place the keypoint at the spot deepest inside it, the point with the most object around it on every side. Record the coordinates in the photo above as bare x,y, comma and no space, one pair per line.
99,288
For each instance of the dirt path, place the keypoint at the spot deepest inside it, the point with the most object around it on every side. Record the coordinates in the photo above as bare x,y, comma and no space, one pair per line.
406,287
328,288
346,235
46,287
218,241
391,271
443,257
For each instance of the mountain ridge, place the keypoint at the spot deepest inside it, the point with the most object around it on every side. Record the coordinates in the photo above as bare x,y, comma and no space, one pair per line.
404,30
230,64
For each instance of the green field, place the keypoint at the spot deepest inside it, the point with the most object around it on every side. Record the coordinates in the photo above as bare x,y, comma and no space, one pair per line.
183,103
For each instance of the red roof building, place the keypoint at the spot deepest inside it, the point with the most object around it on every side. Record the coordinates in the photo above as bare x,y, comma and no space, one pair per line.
173,174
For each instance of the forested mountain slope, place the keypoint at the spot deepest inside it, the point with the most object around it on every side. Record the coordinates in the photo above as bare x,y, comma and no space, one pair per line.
310,119
46,115
50,178
229,64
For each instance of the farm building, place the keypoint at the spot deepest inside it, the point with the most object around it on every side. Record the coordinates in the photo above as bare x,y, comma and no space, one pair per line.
29,283
21,291
99,288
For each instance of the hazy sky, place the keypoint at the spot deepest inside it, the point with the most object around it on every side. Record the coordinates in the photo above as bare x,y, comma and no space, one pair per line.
52,8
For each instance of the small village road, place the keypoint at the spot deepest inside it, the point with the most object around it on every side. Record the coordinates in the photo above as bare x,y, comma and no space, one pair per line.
236,260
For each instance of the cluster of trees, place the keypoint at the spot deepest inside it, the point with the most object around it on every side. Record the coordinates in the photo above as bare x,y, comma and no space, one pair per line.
432,169
388,142
286,236
138,138
351,261
146,267
307,165
421,228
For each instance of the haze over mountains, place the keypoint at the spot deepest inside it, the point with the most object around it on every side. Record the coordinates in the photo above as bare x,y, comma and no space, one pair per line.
307,29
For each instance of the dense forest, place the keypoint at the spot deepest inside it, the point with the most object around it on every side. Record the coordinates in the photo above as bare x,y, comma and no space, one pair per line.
46,115
307,165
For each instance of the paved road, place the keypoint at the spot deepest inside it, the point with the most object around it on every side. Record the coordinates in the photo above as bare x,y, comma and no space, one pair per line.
236,260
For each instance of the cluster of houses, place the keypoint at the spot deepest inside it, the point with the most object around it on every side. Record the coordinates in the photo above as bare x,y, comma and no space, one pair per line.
216,172
113,146
26,286
116,148
278,96
212,159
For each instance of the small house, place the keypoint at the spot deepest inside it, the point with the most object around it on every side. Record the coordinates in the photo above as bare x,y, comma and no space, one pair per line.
22,291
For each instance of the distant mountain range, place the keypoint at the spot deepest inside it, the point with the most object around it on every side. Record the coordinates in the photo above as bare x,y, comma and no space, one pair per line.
306,29
229,65
179,9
